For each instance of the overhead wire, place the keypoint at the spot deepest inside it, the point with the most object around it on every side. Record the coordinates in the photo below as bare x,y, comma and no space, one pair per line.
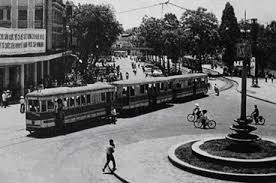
141,8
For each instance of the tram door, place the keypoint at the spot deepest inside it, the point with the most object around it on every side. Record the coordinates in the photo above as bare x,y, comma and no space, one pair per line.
59,114
194,87
108,102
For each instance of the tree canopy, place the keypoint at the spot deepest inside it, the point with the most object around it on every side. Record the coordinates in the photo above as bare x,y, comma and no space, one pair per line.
230,34
201,27
96,29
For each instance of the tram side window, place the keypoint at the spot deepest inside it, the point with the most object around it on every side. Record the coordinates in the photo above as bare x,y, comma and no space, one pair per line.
72,102
51,105
102,96
124,92
65,102
93,99
43,106
132,91
83,100
157,86
162,86
142,88
189,82
88,97
170,85
78,102
146,87
34,105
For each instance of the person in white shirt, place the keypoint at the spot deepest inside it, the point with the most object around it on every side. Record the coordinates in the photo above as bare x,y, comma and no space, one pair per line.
4,99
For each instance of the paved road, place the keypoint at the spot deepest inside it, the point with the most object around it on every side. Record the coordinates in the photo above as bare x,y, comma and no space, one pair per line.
79,156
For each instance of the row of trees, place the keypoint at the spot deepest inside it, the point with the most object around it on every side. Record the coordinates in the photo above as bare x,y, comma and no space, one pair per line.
198,34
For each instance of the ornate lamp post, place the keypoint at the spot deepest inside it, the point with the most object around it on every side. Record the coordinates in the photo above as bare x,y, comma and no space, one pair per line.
242,128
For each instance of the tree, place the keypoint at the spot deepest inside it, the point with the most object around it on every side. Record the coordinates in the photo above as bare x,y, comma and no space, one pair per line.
229,32
201,27
96,29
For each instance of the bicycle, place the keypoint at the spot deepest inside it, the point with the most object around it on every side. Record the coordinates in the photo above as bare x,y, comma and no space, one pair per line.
208,123
192,117
260,120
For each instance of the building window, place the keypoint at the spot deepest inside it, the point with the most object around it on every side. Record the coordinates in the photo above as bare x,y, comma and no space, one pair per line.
8,14
22,14
38,14
1,14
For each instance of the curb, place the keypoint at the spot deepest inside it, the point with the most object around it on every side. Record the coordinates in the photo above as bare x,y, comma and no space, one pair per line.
212,173
196,149
264,100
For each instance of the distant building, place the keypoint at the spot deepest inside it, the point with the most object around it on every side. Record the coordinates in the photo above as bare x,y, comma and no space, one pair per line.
32,43
124,45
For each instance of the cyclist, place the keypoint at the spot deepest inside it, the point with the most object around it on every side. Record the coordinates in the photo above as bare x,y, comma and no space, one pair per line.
255,113
197,111
203,118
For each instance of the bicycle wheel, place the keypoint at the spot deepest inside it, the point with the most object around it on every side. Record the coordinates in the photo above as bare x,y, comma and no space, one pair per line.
198,124
191,117
261,121
211,124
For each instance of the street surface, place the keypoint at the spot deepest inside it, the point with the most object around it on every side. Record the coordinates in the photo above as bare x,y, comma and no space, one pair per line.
141,142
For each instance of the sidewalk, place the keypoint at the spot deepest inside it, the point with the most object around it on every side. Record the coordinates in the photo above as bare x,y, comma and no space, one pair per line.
266,92
147,161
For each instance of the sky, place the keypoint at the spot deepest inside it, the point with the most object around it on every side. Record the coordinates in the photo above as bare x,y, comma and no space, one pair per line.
263,10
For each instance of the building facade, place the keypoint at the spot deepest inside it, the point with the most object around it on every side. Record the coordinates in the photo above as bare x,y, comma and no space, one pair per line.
32,44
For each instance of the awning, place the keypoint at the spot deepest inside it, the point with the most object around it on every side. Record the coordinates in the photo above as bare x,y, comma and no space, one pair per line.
4,61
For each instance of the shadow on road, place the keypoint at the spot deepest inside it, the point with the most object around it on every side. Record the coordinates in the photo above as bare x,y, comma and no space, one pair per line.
136,112
71,128
188,99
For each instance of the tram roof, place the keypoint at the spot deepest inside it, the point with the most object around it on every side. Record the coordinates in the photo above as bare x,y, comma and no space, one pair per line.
156,79
140,80
69,90
193,75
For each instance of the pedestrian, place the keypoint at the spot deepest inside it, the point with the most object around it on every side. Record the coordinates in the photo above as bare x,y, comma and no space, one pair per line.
114,115
4,99
266,76
22,104
121,76
216,89
272,77
109,155
127,75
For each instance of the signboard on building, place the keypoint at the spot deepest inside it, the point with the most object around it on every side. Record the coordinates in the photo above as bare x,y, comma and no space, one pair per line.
243,50
22,41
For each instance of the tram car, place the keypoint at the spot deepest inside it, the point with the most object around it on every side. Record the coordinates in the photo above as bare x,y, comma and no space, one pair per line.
189,85
79,103
133,94
73,104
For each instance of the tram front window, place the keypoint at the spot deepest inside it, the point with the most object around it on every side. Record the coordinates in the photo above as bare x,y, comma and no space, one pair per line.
33,106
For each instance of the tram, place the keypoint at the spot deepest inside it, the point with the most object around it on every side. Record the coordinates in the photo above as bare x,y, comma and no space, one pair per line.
142,93
48,108
79,103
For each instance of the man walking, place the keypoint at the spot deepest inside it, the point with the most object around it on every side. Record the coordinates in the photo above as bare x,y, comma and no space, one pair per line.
109,155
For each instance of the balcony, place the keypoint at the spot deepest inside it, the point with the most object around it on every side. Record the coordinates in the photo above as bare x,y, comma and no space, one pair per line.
22,23
38,24
5,23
